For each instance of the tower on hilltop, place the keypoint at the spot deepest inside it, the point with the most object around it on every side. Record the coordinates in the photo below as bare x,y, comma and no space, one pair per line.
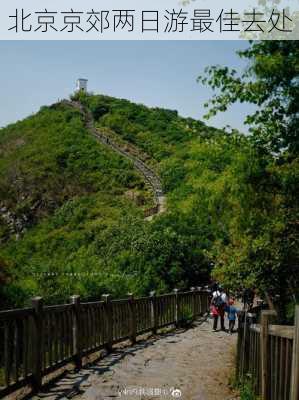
81,85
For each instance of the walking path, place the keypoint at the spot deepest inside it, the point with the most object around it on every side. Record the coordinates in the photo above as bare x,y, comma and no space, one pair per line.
196,362
149,175
193,364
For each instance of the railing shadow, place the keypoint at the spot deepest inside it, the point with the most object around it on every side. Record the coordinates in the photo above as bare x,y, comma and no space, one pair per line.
73,383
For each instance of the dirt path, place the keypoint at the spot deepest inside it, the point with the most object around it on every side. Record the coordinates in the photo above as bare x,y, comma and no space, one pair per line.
197,361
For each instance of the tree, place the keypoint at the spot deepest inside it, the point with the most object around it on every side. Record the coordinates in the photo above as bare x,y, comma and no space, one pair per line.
5,279
271,82
263,241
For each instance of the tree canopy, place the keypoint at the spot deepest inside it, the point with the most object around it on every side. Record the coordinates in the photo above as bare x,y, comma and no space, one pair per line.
263,245
271,83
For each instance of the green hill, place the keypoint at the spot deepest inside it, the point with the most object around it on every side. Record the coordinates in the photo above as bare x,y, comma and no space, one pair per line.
69,223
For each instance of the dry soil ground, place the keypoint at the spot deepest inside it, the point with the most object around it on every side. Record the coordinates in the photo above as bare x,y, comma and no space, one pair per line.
197,362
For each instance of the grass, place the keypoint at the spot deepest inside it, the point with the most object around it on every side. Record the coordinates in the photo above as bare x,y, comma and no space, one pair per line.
245,387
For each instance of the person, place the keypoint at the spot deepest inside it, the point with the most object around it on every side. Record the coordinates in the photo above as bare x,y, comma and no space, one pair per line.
217,307
224,297
248,298
215,316
232,313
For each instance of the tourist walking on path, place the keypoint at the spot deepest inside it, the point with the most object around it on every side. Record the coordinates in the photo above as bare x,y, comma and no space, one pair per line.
248,298
218,304
232,313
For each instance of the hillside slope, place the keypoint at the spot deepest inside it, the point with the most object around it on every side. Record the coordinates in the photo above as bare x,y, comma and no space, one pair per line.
150,177
72,211
50,158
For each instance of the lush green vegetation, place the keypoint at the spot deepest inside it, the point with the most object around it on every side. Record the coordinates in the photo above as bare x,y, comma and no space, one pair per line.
69,193
263,249
61,188
246,391
232,200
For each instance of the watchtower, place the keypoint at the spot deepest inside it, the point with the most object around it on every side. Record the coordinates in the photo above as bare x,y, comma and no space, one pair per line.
81,85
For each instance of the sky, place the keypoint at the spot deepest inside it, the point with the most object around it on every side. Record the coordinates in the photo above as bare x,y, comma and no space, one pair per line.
155,73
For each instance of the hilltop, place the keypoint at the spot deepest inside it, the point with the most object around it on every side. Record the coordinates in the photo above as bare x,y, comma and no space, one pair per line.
72,210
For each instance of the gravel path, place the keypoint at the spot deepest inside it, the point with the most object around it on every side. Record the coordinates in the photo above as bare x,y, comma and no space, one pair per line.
197,361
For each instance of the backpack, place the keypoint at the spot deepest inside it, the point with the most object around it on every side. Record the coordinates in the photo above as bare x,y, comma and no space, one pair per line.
218,302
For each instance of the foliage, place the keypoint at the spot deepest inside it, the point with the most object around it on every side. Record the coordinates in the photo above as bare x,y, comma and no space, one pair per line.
80,232
157,131
271,83
246,391
66,189
4,281
230,204
244,386
262,245
40,157
186,317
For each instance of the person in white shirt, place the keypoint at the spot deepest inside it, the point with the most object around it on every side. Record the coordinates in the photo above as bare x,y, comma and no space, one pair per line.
224,297
220,292
219,301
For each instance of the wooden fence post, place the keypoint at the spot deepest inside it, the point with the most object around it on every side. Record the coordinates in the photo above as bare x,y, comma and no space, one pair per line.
243,344
196,302
207,302
199,288
109,321
77,336
192,289
37,305
266,317
177,307
295,359
239,366
154,316
133,327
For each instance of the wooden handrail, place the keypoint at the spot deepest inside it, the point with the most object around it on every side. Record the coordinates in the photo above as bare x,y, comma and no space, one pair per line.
268,354
38,340
283,331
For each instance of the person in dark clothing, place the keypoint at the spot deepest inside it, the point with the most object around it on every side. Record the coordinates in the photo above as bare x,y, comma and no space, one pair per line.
248,297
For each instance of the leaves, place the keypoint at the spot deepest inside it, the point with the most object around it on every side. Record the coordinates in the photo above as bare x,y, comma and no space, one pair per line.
271,82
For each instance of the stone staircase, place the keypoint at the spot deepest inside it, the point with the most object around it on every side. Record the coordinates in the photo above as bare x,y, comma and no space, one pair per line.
151,178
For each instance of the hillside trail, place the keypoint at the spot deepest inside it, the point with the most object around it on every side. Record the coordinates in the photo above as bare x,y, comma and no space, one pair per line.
148,173
197,363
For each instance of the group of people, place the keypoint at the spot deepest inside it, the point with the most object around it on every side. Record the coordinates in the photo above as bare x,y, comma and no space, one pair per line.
222,304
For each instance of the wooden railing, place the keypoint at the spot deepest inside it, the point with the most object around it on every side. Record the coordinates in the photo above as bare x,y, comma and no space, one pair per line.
41,339
268,355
